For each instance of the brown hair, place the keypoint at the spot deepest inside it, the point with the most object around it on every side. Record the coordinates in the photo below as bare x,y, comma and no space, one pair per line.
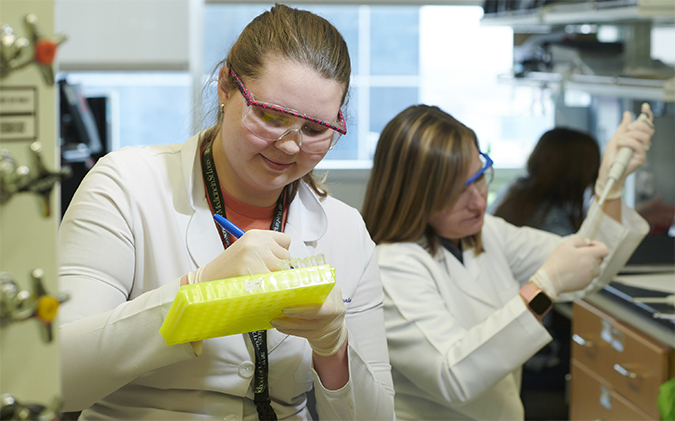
562,165
421,161
291,34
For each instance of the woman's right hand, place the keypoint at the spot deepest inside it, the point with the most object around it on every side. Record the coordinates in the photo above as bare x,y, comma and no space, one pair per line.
636,135
257,251
570,267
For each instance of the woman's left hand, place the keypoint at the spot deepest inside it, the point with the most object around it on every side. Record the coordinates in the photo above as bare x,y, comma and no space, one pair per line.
323,325
636,135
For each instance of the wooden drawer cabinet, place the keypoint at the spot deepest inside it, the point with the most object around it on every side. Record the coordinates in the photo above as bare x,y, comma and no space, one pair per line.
614,367
594,399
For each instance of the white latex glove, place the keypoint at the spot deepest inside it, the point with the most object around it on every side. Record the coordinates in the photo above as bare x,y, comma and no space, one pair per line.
323,325
570,267
257,251
636,135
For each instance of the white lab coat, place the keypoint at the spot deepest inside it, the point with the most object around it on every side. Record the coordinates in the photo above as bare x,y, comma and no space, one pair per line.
138,223
458,334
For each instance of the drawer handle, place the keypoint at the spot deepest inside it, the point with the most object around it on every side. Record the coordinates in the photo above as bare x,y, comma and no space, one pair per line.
581,341
619,369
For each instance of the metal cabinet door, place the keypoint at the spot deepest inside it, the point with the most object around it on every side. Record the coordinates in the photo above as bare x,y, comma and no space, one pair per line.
29,364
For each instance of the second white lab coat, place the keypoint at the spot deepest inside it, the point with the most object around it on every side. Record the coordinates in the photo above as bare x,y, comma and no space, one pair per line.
458,334
138,223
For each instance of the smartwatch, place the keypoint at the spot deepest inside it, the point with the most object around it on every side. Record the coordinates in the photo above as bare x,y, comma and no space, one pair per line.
536,300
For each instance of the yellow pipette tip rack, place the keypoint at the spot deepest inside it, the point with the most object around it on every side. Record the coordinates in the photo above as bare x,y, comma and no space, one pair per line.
242,304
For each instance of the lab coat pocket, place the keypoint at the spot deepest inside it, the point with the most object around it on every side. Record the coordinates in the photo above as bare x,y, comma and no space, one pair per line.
303,373
290,360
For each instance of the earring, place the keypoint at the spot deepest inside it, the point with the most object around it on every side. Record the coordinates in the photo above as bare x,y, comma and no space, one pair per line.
221,111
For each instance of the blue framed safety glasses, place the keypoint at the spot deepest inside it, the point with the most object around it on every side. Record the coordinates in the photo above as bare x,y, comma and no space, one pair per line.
487,170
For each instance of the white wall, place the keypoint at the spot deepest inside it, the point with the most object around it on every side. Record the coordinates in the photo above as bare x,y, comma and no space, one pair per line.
123,35
347,185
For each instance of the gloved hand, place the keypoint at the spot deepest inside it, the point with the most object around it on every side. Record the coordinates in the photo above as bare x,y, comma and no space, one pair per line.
635,134
257,251
570,267
323,325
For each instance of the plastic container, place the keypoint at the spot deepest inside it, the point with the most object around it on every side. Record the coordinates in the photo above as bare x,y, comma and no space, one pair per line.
243,304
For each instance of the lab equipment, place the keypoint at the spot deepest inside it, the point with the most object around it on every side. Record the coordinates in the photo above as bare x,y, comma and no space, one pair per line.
228,226
615,173
668,299
245,303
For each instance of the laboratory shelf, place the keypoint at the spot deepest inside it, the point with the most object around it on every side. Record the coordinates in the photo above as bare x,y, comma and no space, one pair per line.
613,86
660,12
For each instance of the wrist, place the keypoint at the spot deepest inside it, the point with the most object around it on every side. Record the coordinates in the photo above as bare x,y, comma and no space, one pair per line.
330,349
339,352
194,277
616,191
543,282
536,300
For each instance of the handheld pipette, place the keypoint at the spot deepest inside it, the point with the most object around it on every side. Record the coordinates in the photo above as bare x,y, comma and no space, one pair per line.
621,160
614,174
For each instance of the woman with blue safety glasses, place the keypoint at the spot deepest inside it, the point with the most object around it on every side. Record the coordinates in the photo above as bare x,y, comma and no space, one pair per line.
465,291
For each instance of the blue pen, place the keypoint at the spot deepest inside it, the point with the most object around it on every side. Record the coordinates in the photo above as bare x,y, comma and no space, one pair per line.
228,226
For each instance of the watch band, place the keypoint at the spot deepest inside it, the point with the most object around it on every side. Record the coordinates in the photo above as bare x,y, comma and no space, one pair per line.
536,300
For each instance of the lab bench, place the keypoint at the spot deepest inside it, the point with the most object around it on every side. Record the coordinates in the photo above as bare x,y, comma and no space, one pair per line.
621,354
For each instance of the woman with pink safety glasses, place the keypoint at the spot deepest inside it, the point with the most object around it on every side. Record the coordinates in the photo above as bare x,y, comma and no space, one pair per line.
465,291
141,226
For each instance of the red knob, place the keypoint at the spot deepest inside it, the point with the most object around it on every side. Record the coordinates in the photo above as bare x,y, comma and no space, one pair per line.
45,50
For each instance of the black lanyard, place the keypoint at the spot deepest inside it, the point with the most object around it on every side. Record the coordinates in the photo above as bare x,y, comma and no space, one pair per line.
259,338
455,249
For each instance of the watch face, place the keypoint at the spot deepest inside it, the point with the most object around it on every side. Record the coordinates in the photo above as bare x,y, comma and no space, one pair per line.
540,303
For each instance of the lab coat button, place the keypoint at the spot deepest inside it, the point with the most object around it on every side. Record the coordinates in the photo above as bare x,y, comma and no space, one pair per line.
246,369
231,417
